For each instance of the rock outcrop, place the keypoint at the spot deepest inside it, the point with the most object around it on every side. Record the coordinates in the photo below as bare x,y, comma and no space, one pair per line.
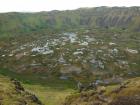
127,93
13,93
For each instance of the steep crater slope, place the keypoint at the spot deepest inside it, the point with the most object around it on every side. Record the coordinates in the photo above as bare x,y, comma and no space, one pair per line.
103,17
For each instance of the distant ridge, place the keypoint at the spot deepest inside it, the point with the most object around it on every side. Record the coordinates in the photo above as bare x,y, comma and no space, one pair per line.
101,17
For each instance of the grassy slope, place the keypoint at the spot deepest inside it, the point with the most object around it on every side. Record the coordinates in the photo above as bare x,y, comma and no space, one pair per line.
50,92
48,95
9,94
87,97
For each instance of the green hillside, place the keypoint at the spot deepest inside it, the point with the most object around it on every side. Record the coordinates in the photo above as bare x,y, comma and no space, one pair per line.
105,17
127,93
50,53
12,93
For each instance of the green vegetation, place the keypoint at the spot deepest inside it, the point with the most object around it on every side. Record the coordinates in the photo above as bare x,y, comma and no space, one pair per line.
49,95
109,95
49,52
12,93
103,17
50,92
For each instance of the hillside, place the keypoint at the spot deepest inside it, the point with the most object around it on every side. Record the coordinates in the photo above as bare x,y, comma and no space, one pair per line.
128,93
50,53
103,17
12,93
